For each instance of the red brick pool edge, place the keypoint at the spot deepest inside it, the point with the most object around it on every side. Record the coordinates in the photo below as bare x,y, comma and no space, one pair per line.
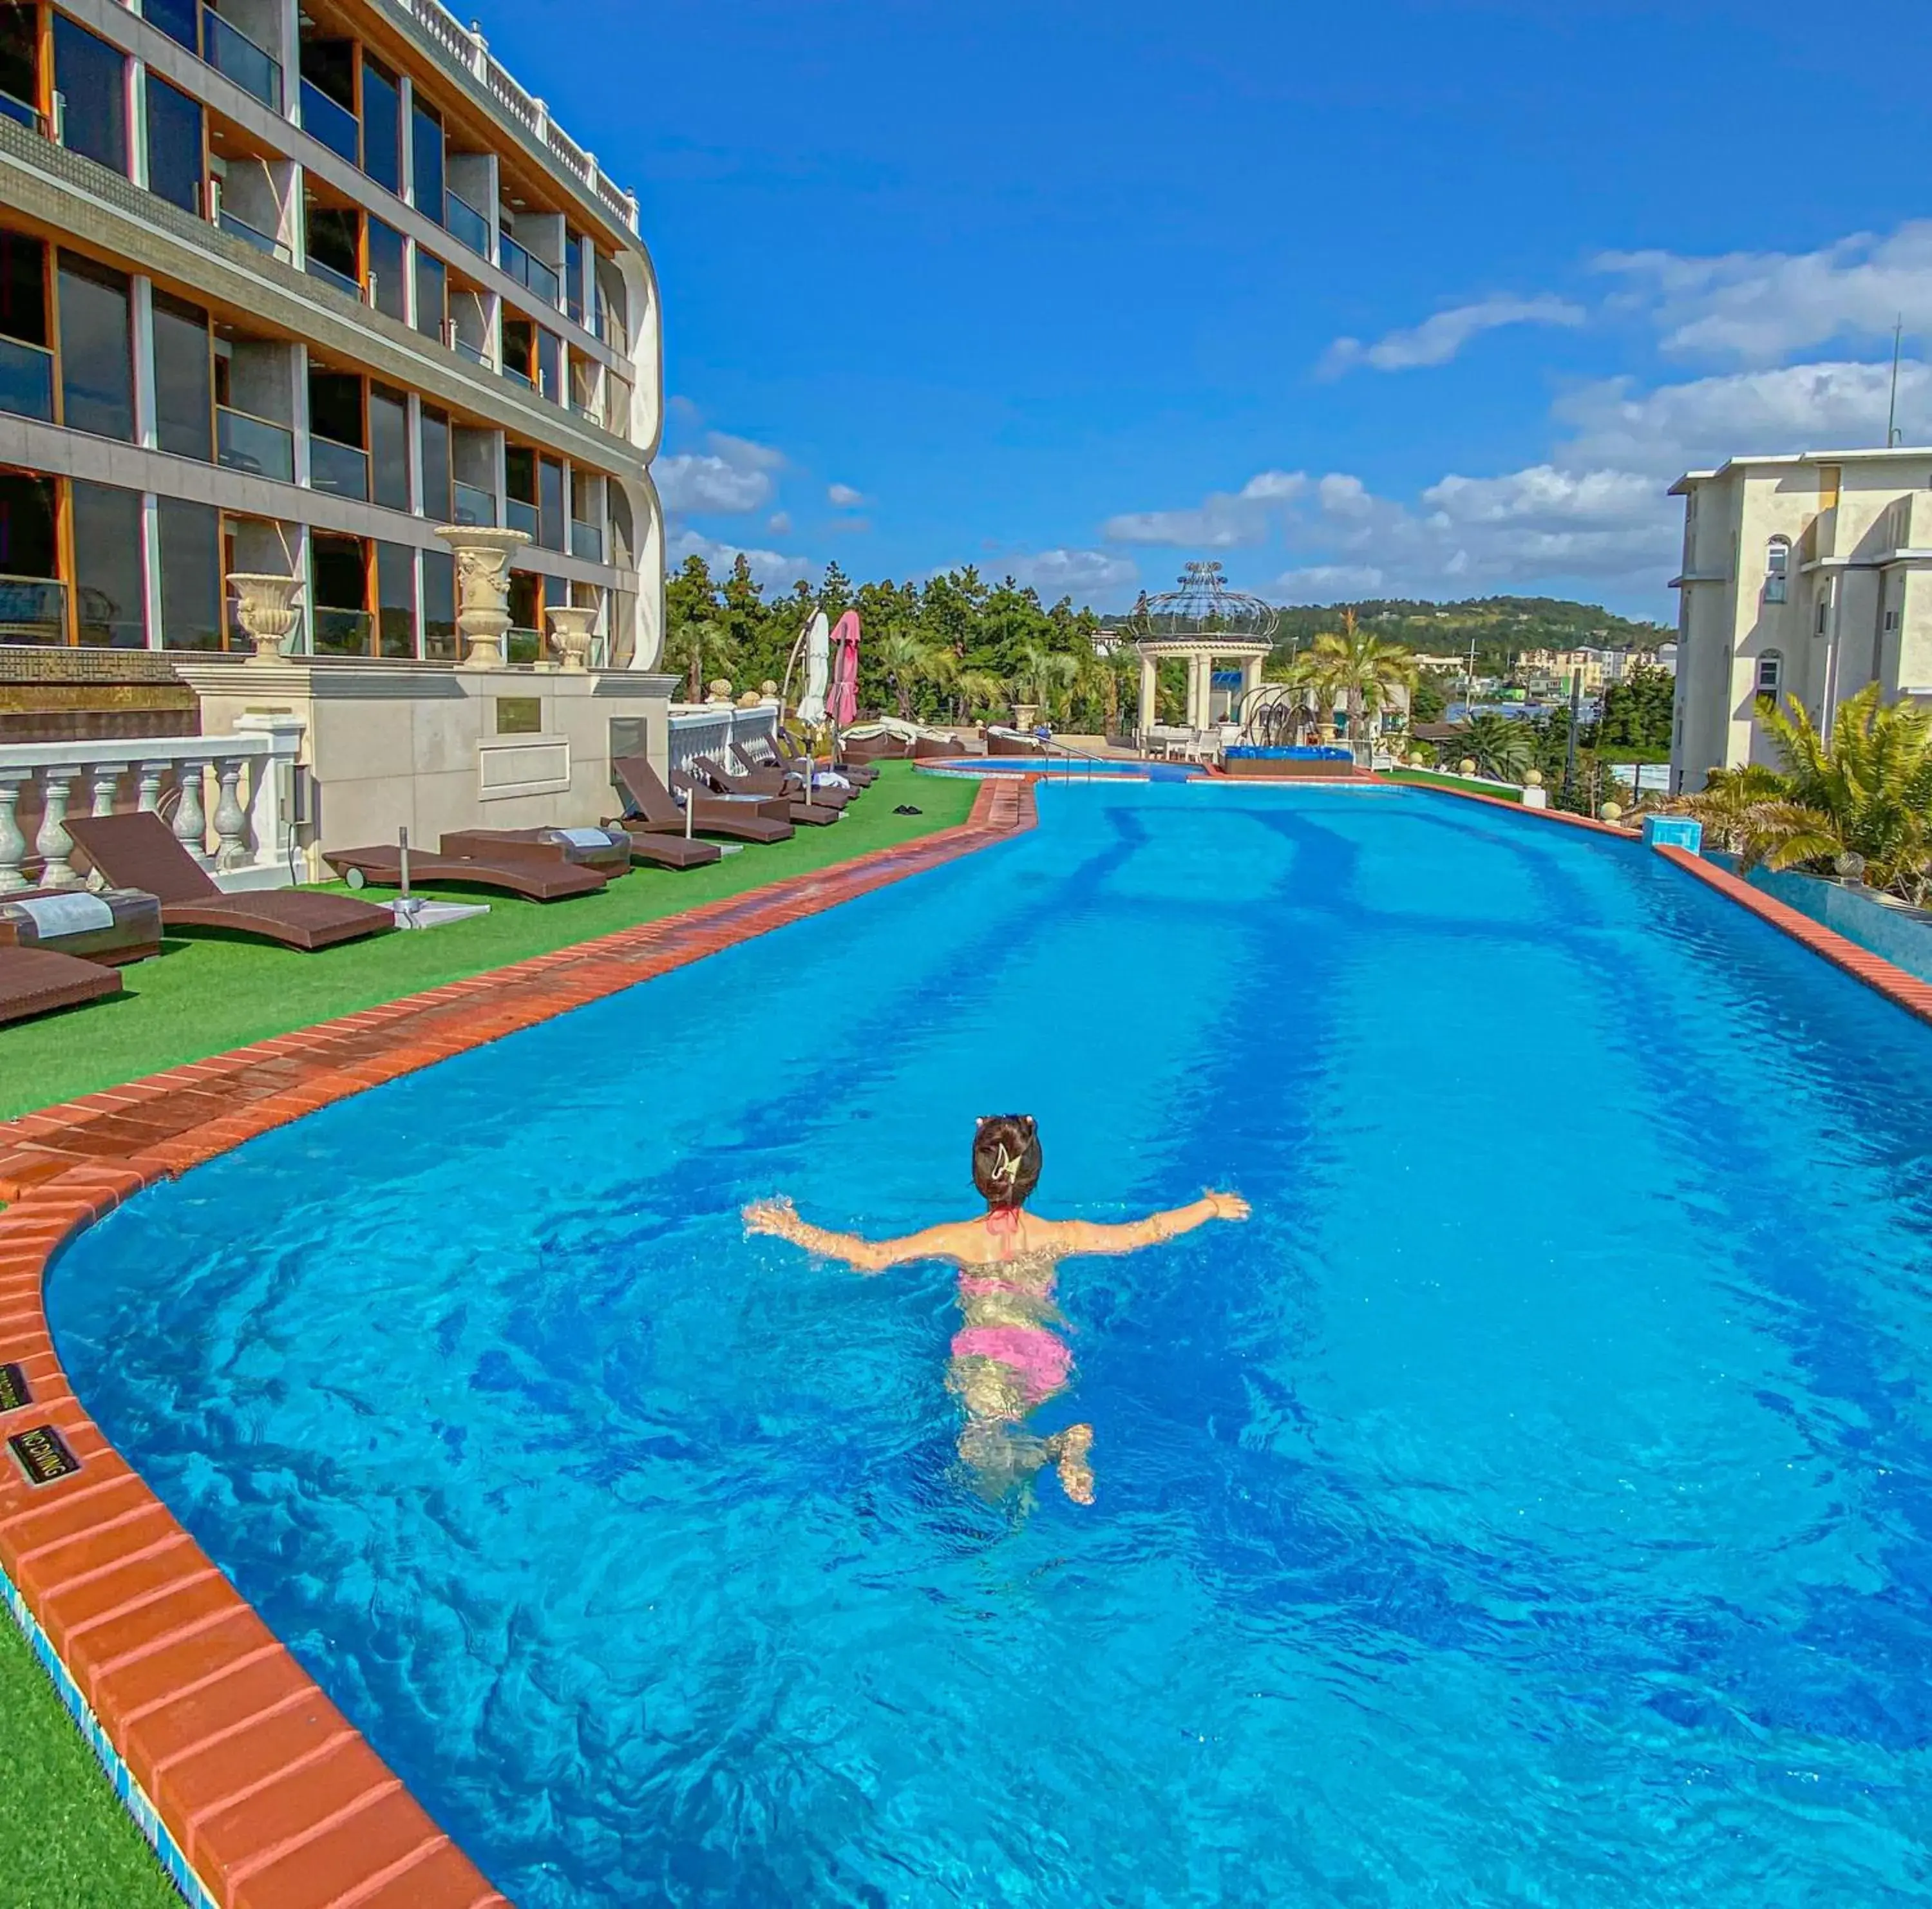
267,1791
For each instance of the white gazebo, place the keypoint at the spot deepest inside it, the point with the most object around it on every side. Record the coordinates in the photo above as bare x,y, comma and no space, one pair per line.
1203,623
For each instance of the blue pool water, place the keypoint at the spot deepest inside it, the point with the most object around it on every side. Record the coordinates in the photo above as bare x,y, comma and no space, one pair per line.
1529,1506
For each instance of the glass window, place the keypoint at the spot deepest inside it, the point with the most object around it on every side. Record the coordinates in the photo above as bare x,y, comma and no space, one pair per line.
174,146
1776,567
573,274
1824,610
335,407
91,78
550,526
23,296
177,19
519,473
1770,670
435,470
183,379
519,347
20,64
526,599
341,621
335,235
191,567
396,600
439,578
381,125
432,294
97,369
388,286
110,587
426,160
389,446
550,365
29,541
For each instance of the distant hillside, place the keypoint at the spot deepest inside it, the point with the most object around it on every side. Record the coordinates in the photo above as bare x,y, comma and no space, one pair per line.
1501,626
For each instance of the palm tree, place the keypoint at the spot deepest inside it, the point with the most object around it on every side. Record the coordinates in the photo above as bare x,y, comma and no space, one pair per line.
1730,800
1038,671
1502,747
1355,668
978,691
1864,797
707,641
904,661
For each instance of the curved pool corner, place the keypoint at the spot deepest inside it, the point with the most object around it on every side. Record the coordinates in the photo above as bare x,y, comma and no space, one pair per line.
255,1790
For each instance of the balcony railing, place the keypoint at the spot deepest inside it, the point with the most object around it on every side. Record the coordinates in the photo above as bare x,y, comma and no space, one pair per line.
462,220
328,274
28,115
223,796
331,122
529,270
468,505
342,632
461,346
518,515
26,379
32,609
262,241
339,468
586,541
517,376
258,446
231,53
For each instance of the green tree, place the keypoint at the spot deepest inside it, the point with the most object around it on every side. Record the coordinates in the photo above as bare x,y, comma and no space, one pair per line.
1427,702
1039,671
1637,715
1355,668
1502,748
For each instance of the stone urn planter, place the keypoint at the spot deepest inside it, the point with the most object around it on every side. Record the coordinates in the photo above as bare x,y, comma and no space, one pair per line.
266,606
1025,715
482,589
570,638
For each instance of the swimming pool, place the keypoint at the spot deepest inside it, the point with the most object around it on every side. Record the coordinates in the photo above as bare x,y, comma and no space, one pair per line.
1530,1505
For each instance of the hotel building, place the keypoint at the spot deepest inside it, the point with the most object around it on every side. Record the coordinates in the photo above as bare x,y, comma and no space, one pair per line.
283,285
1804,575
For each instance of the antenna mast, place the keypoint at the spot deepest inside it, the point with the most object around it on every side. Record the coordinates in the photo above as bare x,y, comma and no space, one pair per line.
1891,410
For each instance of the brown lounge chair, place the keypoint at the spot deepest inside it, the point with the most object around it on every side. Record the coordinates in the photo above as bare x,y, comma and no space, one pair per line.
535,880
550,845
651,809
140,851
37,981
115,925
796,754
928,748
770,788
797,769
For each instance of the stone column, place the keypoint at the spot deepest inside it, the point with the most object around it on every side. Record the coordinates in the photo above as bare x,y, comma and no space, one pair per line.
1198,668
1149,685
570,636
482,589
53,843
266,609
13,843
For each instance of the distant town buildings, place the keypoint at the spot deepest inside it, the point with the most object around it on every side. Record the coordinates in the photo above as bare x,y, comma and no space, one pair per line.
1800,577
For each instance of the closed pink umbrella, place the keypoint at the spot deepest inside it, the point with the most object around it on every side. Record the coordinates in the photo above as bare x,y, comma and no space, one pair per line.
842,704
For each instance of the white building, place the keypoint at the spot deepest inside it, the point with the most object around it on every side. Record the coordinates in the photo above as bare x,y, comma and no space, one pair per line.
1802,577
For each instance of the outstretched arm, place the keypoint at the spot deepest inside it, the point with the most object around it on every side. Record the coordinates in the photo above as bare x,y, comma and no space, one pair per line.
779,1218
1087,1236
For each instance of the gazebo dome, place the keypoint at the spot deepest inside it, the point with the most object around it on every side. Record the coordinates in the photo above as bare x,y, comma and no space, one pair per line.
1203,607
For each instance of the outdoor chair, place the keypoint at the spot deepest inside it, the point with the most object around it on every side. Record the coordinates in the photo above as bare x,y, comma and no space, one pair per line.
554,845
37,981
553,881
140,851
651,809
770,787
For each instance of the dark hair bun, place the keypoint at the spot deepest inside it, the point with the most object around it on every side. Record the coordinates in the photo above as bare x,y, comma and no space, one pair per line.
1006,1159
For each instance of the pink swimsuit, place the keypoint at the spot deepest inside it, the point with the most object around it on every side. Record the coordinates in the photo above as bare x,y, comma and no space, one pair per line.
1041,1360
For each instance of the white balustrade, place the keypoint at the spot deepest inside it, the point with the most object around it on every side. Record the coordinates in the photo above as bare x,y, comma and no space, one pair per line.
710,729
251,836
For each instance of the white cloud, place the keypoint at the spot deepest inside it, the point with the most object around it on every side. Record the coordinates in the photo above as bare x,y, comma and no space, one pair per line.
844,496
771,567
779,523
1327,583
1760,306
730,476
1074,573
1676,427
1222,520
1437,340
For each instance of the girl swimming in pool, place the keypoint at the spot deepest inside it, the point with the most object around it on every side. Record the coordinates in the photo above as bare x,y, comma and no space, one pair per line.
1007,1359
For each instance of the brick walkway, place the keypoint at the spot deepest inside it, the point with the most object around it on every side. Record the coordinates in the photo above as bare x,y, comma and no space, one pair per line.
275,1800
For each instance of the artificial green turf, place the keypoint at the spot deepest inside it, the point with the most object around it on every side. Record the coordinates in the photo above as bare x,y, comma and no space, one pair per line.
1427,778
65,1842
206,995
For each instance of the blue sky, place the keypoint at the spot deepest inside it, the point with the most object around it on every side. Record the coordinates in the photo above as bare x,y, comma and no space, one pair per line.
1415,299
